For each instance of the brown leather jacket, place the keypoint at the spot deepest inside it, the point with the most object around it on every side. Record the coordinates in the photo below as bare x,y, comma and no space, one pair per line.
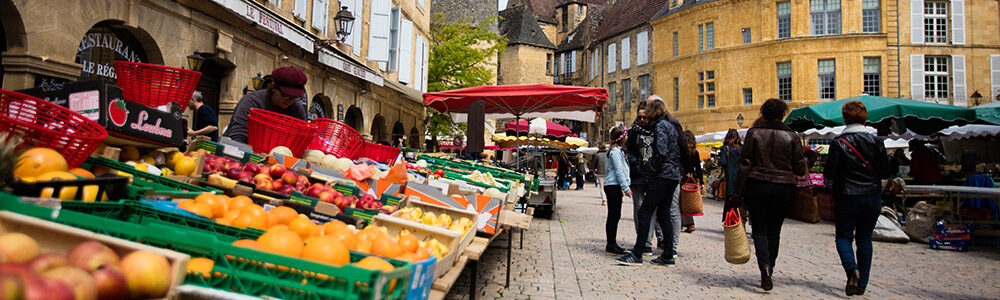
771,152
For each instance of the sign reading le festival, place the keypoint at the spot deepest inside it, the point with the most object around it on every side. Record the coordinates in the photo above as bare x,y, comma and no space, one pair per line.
101,47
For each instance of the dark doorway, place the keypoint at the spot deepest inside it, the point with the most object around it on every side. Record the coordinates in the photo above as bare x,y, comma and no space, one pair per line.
354,118
398,134
320,107
415,140
378,130
210,84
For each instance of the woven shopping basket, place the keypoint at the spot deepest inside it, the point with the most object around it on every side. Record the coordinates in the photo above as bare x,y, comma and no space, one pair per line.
737,246
691,199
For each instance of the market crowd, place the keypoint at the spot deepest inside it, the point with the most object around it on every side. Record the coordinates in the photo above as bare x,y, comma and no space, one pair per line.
647,162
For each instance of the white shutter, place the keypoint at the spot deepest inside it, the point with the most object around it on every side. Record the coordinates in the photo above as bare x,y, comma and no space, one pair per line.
356,34
642,48
426,54
300,10
378,30
626,53
994,77
418,61
320,10
611,57
917,77
917,22
958,80
420,2
958,22
572,61
405,50
562,63
595,62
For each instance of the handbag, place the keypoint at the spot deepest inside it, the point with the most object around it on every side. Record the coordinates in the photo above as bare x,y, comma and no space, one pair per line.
805,208
691,199
737,246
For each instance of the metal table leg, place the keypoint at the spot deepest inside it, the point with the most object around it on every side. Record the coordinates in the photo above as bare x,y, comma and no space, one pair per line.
510,239
473,281
521,246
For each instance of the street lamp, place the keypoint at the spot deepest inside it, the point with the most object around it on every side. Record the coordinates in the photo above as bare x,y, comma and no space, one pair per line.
257,83
345,23
195,61
976,98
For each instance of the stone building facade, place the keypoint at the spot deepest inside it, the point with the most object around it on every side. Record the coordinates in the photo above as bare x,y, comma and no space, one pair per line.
372,80
719,60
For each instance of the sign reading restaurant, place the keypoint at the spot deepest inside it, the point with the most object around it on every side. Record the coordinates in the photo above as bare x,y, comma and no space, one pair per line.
101,47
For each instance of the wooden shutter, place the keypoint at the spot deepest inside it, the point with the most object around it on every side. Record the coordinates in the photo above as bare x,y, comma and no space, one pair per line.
562,63
405,50
356,34
917,22
611,57
642,48
958,22
300,10
626,53
426,54
917,77
958,81
572,61
994,77
418,62
378,32
321,8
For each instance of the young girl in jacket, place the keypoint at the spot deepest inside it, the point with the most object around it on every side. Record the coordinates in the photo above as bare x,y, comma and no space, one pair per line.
616,185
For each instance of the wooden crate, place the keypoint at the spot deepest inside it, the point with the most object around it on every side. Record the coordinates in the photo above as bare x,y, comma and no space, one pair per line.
455,214
424,233
54,237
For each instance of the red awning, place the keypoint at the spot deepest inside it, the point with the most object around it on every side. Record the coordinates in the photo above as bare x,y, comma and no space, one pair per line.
534,100
552,129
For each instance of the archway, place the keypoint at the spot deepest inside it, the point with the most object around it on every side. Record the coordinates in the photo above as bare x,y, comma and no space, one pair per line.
398,135
354,118
320,107
415,140
109,41
12,36
378,130
212,72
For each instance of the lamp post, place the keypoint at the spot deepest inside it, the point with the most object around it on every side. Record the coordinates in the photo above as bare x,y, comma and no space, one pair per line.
344,21
976,98
257,83
195,61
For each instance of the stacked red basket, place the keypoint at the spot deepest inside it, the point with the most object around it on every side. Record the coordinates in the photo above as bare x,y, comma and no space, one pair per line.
269,129
45,124
378,152
155,85
336,138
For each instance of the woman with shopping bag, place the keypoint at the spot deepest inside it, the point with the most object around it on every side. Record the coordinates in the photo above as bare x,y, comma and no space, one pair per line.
690,202
737,247
729,156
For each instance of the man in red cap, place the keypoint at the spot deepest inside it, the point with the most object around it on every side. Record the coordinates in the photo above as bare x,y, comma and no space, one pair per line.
280,96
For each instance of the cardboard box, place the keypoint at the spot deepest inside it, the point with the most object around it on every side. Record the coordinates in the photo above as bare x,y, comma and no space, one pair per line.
425,233
487,209
127,122
958,246
54,237
455,214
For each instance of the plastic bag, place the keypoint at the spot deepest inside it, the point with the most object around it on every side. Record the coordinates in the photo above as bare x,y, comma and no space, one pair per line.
921,220
359,172
888,228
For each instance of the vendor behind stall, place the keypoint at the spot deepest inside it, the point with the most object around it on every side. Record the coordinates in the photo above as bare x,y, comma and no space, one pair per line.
280,96
205,120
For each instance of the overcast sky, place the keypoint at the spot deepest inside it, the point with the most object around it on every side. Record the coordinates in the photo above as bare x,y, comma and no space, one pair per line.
501,4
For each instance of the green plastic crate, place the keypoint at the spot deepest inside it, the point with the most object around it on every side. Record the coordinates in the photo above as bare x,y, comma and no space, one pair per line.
216,149
247,271
142,213
146,183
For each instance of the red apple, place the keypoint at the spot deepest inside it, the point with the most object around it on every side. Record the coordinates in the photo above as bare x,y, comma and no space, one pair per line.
300,187
259,177
289,177
110,282
252,168
47,261
303,179
234,165
266,170
325,197
245,176
275,185
277,171
285,189
214,165
83,285
90,255
233,173
264,184
49,289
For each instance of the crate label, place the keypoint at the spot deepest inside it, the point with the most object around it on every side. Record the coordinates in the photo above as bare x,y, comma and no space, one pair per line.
232,151
86,103
268,206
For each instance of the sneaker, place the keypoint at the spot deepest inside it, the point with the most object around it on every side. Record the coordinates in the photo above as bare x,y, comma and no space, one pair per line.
663,261
674,253
647,251
615,250
630,260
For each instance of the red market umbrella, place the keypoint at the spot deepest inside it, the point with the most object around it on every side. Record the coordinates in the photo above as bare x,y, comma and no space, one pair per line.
551,130
522,101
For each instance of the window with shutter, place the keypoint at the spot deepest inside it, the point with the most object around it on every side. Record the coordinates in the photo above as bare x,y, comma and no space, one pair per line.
994,77
405,50
626,53
275,2
917,77
320,10
611,57
357,35
595,63
379,26
917,23
572,62
300,10
958,22
642,48
418,62
559,64
426,55
394,40
420,3
958,81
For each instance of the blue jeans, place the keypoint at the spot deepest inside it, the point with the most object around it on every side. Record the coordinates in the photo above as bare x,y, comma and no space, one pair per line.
658,201
855,219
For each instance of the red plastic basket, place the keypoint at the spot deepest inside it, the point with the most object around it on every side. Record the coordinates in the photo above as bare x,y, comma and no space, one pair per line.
45,124
269,129
155,85
336,138
378,152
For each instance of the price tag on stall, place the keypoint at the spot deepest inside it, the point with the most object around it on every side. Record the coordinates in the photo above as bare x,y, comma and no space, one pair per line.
233,151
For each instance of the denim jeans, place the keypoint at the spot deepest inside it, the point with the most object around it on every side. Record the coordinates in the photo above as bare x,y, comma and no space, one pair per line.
768,203
658,200
675,219
638,195
856,217
614,194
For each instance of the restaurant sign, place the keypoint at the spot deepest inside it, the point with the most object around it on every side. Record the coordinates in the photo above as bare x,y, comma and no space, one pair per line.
253,12
101,47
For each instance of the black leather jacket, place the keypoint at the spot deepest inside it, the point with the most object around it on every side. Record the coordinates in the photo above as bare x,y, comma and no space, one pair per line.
772,152
847,174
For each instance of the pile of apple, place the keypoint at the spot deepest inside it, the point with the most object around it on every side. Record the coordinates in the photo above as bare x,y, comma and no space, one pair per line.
461,226
274,178
326,194
91,270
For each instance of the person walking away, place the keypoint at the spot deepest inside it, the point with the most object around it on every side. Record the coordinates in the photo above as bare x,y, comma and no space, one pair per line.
616,184
665,167
280,96
924,166
581,169
562,170
771,160
600,160
695,174
204,118
640,149
856,164
729,156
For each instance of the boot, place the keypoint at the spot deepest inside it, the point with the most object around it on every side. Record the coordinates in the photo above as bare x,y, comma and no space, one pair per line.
765,278
853,277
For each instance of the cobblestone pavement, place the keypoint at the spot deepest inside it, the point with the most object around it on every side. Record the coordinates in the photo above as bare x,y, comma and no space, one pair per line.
564,258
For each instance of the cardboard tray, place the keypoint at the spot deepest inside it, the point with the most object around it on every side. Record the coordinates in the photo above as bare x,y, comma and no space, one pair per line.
54,237
455,214
425,233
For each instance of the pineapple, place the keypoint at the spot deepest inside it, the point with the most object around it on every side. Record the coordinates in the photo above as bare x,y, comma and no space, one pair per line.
8,157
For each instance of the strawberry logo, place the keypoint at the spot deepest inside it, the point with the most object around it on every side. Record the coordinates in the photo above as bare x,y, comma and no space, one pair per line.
117,112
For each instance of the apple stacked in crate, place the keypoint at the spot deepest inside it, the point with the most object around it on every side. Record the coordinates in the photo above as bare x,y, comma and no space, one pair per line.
952,237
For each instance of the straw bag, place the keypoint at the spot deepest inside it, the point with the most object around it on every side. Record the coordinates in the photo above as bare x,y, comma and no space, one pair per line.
691,199
737,246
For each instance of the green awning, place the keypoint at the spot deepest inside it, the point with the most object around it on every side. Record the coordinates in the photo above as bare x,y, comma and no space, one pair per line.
989,112
920,117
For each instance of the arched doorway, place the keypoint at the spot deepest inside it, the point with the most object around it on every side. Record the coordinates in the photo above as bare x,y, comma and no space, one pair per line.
320,107
12,36
354,118
109,41
378,131
398,135
415,140
212,72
